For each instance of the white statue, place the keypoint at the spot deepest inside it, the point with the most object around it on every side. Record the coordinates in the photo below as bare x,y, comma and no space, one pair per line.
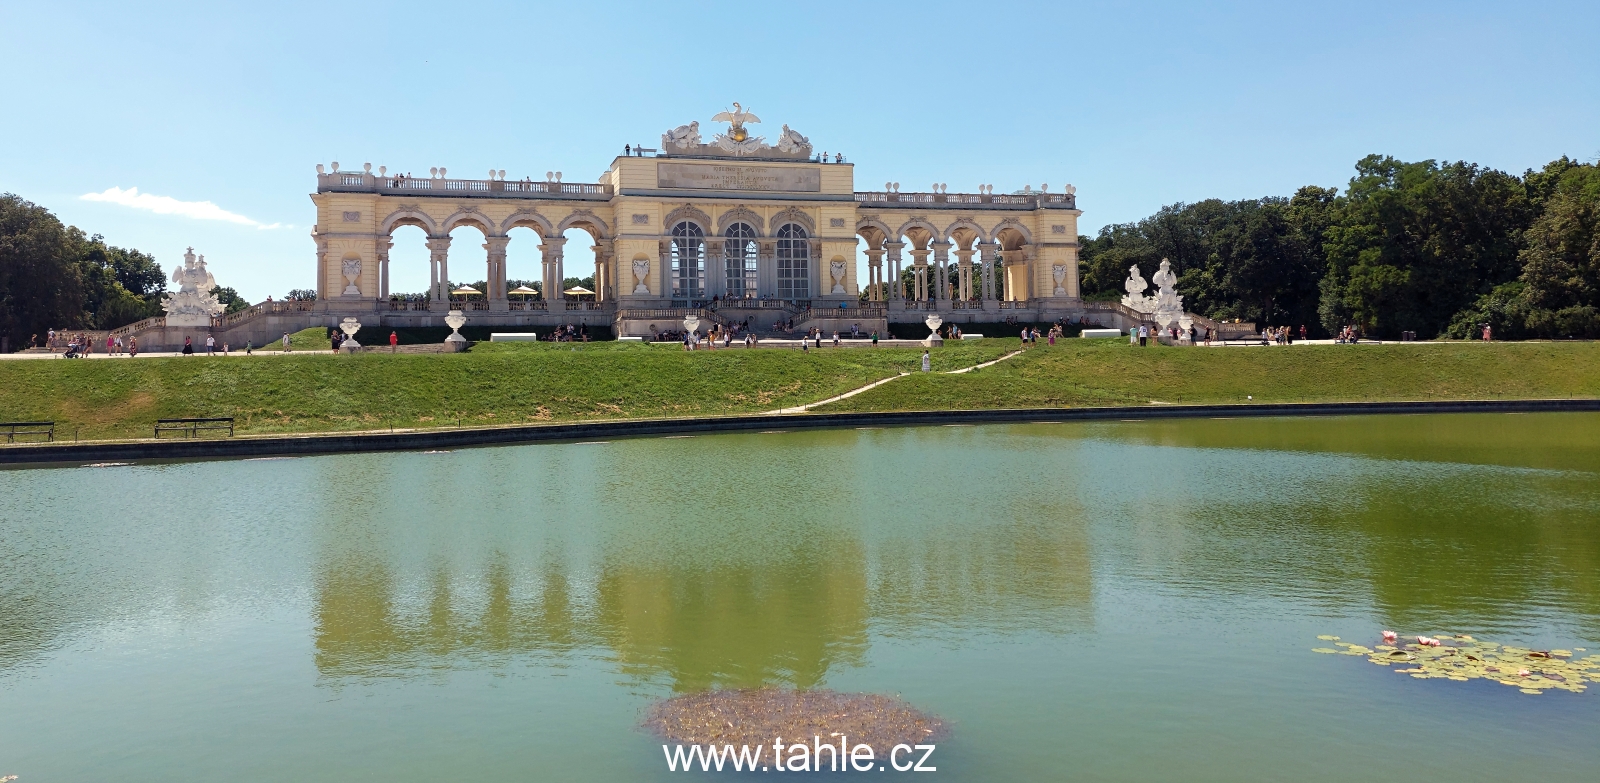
349,326
1135,285
1169,306
1059,272
641,272
683,137
192,304
352,270
455,320
792,142
837,268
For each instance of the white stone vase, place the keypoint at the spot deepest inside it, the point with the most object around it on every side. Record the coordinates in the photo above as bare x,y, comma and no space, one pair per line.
350,326
455,320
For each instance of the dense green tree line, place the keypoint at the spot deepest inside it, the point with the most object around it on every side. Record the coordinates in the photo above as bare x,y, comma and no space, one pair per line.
1437,249
54,276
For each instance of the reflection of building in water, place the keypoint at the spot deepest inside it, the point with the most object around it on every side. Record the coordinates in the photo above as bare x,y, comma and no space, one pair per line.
697,625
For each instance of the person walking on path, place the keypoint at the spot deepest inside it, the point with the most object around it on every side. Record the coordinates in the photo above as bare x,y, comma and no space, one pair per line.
927,362
394,340
111,345
188,346
1486,333
249,345
211,345
874,338
133,347
285,342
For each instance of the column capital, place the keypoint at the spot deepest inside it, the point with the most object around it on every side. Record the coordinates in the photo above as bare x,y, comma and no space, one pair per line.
941,245
894,247
439,244
496,244
554,243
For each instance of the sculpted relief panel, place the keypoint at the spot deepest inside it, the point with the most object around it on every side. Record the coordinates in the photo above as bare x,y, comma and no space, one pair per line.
710,176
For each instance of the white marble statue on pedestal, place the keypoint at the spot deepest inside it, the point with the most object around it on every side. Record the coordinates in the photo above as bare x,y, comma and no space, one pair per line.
192,304
1169,306
1135,285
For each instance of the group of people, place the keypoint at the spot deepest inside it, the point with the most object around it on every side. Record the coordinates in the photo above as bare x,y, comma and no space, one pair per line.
1281,335
570,334
77,345
1349,334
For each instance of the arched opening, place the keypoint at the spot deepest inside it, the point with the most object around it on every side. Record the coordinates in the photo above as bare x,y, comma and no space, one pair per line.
741,255
918,275
409,260
579,263
1012,284
687,263
524,260
468,266
875,269
794,262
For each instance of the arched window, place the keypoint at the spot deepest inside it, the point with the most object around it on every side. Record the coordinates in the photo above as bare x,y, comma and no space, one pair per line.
739,261
794,263
688,270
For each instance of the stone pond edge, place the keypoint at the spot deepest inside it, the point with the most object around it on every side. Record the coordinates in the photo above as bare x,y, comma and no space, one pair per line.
57,454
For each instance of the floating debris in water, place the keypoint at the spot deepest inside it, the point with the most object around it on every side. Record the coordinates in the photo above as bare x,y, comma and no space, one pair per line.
1463,658
759,716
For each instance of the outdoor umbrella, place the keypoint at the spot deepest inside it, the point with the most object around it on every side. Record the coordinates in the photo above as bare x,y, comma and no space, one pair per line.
465,290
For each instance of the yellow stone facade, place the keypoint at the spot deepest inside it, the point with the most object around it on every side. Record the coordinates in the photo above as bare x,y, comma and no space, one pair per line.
733,222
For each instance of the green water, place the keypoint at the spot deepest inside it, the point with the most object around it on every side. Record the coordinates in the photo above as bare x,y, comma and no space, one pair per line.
1117,601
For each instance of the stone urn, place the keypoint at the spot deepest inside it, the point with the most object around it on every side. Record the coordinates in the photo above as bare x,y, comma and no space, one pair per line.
350,326
934,322
455,320
691,323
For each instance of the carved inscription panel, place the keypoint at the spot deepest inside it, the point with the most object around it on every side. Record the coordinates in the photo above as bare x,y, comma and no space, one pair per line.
711,176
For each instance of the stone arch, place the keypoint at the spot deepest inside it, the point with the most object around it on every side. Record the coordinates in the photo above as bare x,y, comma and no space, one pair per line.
690,213
916,226
967,224
740,214
529,218
875,231
469,217
409,215
588,221
794,215
1012,235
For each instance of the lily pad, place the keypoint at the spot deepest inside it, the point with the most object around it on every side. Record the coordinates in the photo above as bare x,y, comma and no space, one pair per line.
1461,658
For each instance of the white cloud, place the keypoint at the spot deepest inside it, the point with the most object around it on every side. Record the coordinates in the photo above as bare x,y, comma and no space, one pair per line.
167,205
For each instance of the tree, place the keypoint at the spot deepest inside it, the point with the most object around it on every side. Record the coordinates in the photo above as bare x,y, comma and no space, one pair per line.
1415,243
41,282
230,299
1561,263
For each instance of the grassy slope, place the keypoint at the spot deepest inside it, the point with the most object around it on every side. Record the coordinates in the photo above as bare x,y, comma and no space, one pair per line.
494,383
1110,372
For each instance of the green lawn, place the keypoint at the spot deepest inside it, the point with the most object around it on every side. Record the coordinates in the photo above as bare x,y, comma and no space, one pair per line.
504,383
1111,372
494,383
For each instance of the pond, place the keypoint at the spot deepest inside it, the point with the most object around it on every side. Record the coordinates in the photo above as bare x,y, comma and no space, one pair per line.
1121,601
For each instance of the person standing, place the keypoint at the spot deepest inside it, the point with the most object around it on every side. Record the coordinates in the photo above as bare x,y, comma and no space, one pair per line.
927,362
111,345
188,346
874,338
1486,333
1144,335
211,345
133,347
394,340
285,342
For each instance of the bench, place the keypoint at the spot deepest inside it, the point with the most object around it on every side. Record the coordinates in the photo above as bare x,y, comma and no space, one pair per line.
192,427
15,428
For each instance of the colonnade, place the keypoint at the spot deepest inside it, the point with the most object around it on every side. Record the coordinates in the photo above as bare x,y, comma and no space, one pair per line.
975,279
552,261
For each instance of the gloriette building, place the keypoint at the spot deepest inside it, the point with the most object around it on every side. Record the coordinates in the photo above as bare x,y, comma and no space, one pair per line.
734,227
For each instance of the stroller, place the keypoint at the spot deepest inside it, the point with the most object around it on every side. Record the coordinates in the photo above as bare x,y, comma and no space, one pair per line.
74,351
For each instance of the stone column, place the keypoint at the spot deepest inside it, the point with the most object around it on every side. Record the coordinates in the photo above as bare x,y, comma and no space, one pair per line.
602,271
896,291
552,251
874,275
986,256
941,267
384,243
322,269
497,272
919,264
439,260
964,273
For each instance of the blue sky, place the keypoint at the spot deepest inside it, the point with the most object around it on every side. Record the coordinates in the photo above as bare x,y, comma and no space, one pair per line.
1138,105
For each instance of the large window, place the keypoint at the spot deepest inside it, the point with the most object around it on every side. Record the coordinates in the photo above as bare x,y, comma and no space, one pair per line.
794,263
688,270
740,261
